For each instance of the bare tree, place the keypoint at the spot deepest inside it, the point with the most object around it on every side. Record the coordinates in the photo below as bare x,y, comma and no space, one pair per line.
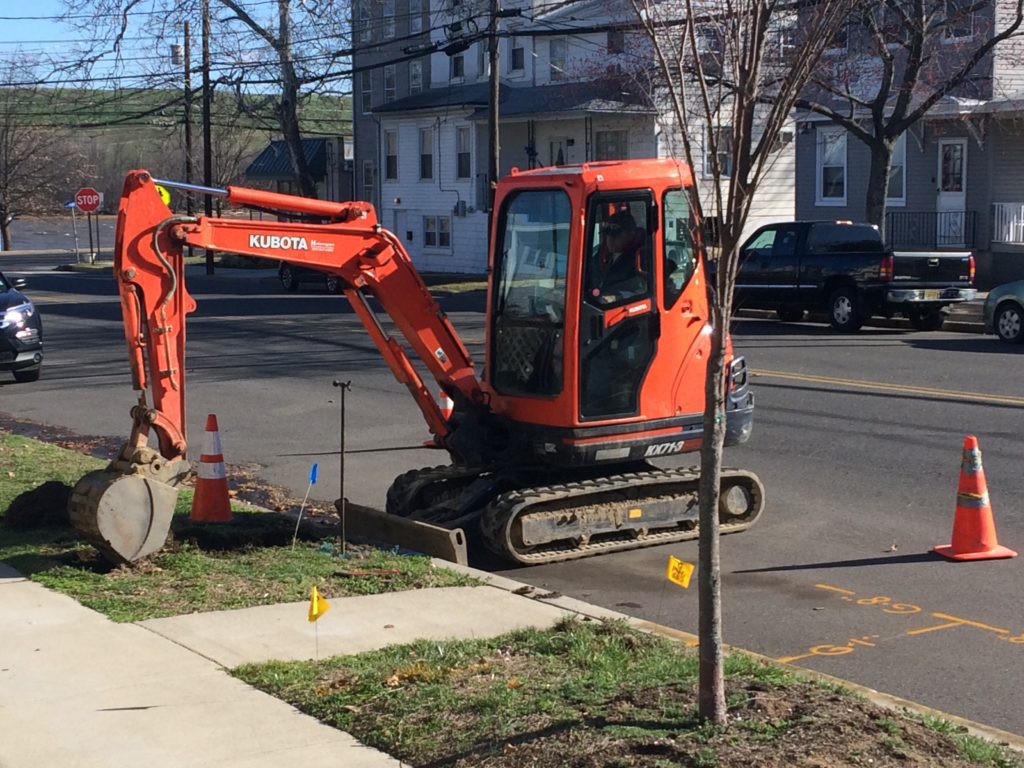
272,56
38,165
895,60
735,67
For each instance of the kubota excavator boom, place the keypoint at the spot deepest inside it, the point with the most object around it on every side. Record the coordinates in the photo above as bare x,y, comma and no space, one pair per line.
583,385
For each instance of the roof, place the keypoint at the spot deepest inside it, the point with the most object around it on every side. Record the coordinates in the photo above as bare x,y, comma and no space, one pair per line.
273,162
600,96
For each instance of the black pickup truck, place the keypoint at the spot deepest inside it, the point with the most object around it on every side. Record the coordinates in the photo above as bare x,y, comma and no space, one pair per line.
847,272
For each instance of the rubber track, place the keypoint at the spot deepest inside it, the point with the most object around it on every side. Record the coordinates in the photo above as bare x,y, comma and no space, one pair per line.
497,518
405,485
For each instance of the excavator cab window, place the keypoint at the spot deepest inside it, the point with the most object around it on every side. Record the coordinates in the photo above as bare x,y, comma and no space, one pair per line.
529,302
680,255
618,325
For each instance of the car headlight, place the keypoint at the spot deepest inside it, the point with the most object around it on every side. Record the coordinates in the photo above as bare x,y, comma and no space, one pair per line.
18,315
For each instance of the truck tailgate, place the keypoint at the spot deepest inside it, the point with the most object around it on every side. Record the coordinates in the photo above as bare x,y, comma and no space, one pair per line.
932,268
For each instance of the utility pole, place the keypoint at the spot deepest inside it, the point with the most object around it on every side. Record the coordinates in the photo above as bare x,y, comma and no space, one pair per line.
494,148
189,202
207,149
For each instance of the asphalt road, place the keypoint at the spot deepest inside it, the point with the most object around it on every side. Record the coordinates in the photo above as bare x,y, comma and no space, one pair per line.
857,439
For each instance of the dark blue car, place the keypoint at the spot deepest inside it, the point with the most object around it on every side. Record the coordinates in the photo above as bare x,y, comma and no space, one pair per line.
21,332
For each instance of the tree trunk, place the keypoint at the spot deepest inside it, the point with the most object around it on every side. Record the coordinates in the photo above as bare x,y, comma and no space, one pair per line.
5,231
288,108
711,693
878,183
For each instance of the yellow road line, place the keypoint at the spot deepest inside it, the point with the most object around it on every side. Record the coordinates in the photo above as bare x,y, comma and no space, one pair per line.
883,387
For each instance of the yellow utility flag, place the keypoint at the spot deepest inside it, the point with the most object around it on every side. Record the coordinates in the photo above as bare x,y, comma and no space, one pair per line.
317,605
678,572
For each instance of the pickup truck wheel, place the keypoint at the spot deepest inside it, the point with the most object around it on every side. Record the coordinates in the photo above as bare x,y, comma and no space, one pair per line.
929,320
1009,322
844,310
790,314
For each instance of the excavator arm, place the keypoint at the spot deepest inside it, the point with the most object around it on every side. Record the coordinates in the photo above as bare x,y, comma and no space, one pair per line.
149,269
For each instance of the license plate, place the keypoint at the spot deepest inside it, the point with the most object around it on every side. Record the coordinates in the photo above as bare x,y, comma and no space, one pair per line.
931,295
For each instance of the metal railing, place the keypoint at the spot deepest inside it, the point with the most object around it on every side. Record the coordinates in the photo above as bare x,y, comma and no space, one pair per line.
1008,222
924,230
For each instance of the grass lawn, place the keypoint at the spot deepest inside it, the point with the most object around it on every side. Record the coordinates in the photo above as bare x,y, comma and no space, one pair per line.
204,567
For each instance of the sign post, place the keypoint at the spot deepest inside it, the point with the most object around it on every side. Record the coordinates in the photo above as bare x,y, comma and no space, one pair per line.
74,227
88,201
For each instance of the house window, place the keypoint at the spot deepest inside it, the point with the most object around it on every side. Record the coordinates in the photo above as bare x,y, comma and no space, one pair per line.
556,55
426,153
369,181
458,66
389,19
415,16
709,39
391,155
390,83
366,92
616,41
483,59
365,30
415,76
517,59
437,232
462,156
782,38
831,167
896,192
611,145
720,138
960,19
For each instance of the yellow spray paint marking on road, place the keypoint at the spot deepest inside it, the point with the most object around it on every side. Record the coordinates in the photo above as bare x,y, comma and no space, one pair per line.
955,621
887,605
906,389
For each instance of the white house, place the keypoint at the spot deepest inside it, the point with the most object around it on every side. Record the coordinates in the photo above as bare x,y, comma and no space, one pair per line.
565,98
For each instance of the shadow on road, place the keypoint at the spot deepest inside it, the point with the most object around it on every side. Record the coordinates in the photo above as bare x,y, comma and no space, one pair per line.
920,557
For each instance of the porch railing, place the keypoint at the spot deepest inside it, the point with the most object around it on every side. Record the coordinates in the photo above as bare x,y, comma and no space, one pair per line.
924,230
1008,222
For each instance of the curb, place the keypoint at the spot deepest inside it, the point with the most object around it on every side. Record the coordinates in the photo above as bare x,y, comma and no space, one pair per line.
885,700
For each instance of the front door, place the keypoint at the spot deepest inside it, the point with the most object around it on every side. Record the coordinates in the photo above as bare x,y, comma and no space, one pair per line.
951,205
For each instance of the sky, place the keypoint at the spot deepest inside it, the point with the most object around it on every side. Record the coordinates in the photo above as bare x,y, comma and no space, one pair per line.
32,28
26,23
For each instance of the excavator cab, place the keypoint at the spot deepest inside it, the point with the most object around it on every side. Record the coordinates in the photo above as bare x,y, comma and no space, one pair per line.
598,319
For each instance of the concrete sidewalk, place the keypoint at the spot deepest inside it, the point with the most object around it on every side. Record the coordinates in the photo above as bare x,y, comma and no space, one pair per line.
77,689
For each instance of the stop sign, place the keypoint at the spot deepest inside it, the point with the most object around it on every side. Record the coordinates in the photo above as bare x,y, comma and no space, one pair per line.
87,199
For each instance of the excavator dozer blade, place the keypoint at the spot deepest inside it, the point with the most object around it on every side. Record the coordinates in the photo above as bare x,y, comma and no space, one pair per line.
443,543
126,517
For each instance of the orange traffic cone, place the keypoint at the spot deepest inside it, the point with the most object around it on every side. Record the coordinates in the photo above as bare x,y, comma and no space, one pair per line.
974,532
210,503
447,405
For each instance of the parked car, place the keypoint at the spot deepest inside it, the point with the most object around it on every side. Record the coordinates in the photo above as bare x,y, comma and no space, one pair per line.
291,276
21,332
846,271
1004,312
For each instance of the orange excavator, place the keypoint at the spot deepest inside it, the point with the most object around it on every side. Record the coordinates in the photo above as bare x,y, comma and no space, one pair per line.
551,446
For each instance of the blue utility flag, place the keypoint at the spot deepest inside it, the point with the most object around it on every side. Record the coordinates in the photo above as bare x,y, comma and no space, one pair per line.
312,474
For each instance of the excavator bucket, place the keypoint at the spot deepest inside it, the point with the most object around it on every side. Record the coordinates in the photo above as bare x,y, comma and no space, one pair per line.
126,517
